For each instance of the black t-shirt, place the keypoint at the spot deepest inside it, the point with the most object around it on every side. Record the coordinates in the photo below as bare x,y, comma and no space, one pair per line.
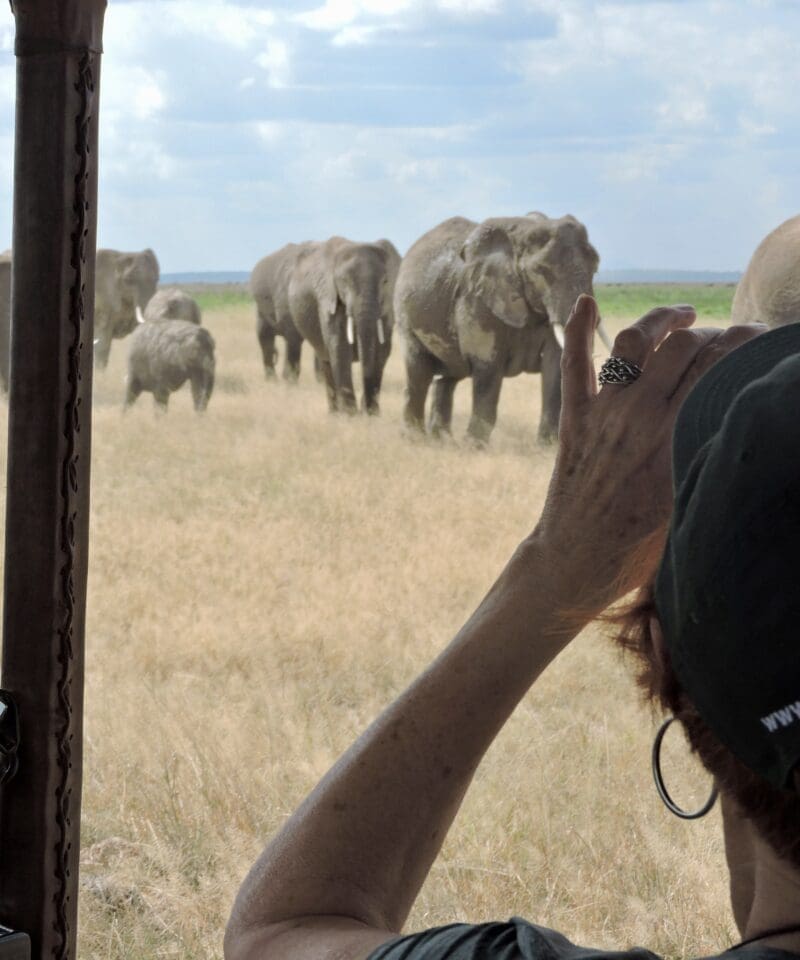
519,940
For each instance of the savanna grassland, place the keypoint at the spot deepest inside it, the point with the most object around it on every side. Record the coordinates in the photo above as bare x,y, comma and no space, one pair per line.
264,579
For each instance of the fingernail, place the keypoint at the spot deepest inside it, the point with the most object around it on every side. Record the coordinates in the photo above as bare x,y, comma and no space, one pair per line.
683,307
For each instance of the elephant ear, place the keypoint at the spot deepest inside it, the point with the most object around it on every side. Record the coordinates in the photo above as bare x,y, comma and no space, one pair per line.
150,256
491,274
389,248
126,262
393,260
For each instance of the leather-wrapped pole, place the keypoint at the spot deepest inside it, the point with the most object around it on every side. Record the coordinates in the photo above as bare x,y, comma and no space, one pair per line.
47,507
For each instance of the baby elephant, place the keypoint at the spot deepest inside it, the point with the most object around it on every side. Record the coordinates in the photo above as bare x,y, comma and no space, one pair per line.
172,304
168,349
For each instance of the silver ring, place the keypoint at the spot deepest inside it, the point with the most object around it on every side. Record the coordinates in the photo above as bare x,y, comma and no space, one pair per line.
619,370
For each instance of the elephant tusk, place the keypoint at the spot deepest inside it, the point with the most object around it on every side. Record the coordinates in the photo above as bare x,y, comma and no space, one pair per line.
558,333
96,341
139,314
351,339
381,333
601,331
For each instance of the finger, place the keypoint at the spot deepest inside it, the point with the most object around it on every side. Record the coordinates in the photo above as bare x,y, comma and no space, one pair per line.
637,342
578,383
674,358
713,351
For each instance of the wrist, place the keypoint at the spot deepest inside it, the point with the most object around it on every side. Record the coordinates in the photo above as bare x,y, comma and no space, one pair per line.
564,573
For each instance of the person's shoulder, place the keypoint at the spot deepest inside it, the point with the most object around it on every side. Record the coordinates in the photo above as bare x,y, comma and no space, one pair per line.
515,939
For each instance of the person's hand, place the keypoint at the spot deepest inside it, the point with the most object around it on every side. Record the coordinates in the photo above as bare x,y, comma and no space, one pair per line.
605,517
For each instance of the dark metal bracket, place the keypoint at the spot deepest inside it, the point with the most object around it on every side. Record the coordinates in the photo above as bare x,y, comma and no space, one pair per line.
9,747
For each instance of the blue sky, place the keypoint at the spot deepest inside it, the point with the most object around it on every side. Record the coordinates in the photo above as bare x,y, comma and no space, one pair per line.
230,128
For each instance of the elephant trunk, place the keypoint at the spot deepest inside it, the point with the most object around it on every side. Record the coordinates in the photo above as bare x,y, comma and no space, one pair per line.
367,322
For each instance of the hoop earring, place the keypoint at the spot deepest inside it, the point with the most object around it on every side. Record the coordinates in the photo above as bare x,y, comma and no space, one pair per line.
669,803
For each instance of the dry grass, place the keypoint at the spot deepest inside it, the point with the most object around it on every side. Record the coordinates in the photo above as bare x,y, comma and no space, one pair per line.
263,580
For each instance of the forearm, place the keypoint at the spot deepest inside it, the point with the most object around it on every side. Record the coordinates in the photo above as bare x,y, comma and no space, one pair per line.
361,844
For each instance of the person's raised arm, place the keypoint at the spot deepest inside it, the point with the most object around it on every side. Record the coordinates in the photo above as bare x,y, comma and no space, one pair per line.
340,877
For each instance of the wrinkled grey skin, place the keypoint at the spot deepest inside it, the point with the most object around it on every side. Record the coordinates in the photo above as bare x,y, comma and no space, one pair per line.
172,304
482,301
334,281
769,291
5,319
269,285
124,282
164,354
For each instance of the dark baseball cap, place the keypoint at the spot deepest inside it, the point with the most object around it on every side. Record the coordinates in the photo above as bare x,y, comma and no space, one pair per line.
728,588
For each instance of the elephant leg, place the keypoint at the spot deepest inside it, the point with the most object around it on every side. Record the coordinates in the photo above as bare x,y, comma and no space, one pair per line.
487,379
291,362
340,354
202,383
132,390
161,398
420,370
318,372
102,349
551,392
266,339
442,405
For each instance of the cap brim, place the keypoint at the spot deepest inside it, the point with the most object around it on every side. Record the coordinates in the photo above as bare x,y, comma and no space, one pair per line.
710,399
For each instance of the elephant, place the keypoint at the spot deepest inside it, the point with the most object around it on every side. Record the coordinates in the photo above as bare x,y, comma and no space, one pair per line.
487,301
769,291
340,297
124,283
172,304
269,285
167,351
5,320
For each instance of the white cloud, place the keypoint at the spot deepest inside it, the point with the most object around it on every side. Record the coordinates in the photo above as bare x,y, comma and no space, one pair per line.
270,132
642,162
684,108
355,36
276,60
691,59
132,91
335,14
753,129
470,6
223,22
7,35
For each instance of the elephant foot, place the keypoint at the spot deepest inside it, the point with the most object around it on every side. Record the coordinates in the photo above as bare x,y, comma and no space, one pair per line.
476,443
548,435
269,373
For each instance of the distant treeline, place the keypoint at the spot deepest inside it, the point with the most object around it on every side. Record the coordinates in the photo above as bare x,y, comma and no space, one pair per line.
603,276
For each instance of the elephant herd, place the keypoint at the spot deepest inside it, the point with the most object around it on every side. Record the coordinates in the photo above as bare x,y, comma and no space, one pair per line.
482,301
479,301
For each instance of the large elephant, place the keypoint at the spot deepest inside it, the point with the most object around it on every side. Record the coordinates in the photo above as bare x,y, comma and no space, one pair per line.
769,291
5,319
340,297
124,283
487,301
269,285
